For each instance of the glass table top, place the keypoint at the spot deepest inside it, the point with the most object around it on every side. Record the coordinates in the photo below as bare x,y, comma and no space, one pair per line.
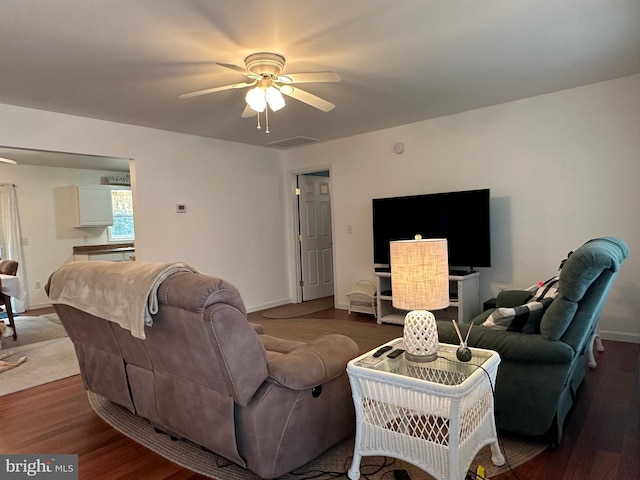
445,370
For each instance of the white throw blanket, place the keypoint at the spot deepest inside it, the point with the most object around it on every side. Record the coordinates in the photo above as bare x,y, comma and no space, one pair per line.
122,292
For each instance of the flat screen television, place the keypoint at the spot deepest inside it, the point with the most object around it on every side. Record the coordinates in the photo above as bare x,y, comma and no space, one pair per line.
460,217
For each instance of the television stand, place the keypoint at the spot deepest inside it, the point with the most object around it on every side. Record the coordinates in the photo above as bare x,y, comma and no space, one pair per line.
460,273
464,302
382,269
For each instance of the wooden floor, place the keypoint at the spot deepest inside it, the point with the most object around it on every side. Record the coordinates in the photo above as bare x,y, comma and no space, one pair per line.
601,440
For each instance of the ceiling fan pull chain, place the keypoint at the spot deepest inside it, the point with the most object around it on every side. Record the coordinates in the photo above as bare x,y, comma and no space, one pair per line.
266,116
259,126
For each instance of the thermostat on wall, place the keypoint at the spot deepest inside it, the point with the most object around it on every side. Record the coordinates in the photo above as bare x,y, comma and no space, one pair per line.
181,208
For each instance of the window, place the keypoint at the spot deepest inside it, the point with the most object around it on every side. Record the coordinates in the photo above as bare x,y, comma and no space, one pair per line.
122,205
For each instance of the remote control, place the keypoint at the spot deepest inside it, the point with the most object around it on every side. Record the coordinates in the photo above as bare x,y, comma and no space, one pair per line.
382,350
396,353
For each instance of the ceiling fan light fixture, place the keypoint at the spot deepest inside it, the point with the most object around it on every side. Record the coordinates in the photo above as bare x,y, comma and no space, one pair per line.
274,99
256,99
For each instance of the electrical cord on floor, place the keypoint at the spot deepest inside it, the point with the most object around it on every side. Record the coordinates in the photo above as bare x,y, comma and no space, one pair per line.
311,474
364,470
387,462
222,463
504,452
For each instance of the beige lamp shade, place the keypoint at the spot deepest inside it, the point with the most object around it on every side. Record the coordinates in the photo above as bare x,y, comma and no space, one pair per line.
420,282
420,274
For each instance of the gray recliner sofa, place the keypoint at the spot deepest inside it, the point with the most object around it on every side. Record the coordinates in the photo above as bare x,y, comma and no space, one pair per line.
204,373
540,373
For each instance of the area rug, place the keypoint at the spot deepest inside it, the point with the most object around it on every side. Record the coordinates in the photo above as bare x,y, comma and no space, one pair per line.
294,310
331,464
34,330
46,362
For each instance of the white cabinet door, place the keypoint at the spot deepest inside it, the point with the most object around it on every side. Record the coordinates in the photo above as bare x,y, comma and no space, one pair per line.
94,206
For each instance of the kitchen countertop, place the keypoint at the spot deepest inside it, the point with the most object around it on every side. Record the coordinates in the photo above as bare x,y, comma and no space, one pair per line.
108,248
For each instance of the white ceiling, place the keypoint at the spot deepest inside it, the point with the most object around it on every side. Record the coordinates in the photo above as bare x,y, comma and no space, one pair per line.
400,61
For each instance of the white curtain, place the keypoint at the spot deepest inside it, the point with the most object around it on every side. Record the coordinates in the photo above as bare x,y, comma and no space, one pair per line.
11,237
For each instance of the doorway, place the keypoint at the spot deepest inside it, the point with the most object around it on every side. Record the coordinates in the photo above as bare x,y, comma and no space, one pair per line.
314,242
37,174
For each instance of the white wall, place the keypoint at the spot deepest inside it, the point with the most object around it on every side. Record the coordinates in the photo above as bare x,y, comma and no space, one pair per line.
233,227
562,168
49,242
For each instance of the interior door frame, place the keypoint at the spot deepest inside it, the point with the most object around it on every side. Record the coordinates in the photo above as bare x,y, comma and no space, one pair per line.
296,274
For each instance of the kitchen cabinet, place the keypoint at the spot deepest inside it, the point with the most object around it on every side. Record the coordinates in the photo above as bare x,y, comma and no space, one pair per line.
87,205
115,256
112,252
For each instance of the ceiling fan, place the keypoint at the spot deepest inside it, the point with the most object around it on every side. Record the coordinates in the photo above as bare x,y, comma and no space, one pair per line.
265,72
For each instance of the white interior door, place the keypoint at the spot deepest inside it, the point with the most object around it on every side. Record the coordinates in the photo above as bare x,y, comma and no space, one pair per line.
316,242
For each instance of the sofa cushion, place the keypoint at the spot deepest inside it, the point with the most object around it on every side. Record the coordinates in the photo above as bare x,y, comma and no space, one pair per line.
523,318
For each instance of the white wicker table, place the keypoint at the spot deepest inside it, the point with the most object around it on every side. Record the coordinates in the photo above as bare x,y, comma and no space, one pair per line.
435,415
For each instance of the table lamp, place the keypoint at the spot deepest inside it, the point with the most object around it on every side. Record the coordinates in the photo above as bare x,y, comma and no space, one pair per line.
420,282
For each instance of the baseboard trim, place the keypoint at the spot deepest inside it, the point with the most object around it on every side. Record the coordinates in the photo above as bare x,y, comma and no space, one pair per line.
264,306
619,336
36,306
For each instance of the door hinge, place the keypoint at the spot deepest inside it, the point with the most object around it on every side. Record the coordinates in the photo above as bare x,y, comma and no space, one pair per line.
299,238
297,192
302,283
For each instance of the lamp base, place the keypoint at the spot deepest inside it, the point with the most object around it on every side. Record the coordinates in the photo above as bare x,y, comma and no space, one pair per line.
420,358
420,334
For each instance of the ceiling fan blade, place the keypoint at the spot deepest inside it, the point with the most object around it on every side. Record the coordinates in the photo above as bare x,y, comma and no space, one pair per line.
248,112
241,70
217,89
311,77
307,98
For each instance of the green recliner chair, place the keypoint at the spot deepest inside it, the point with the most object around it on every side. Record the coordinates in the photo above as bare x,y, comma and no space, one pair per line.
540,373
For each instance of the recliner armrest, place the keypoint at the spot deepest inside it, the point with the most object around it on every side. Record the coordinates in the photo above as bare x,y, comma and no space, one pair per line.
259,329
513,346
313,363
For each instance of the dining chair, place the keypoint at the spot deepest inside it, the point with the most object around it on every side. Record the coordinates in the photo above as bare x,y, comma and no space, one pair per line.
8,267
